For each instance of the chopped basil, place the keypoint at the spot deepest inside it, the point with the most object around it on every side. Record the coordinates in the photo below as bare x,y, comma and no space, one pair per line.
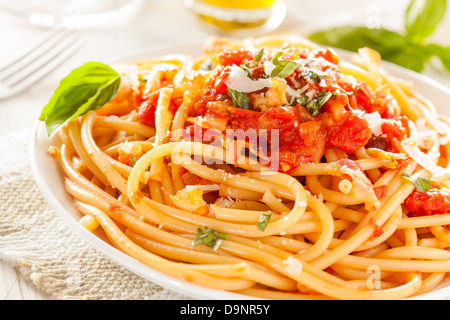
315,104
207,65
246,68
86,88
313,75
283,68
264,220
239,99
421,184
133,160
258,55
209,237
302,101
142,79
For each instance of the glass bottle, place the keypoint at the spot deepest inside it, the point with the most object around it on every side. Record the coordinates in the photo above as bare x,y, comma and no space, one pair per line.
239,16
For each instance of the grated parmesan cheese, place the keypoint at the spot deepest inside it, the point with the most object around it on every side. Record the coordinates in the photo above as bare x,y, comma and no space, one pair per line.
238,80
375,121
204,187
422,135
268,67
302,204
311,94
422,159
222,202
293,266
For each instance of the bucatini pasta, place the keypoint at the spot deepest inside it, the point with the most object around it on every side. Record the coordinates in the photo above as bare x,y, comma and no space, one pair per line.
268,167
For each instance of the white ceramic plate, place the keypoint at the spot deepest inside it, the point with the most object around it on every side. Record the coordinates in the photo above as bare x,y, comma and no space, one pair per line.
50,180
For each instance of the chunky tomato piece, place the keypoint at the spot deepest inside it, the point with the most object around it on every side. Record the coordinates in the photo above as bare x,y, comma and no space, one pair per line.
379,104
381,191
243,119
219,84
297,142
311,153
393,130
371,101
336,106
282,119
328,55
288,160
434,201
237,57
146,110
352,134
308,132
363,97
175,104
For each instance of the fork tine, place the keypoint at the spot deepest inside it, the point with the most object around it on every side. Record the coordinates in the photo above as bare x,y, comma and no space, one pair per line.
44,70
29,57
40,62
32,47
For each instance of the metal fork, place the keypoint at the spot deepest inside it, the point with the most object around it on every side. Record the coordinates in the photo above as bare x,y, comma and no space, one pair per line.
36,61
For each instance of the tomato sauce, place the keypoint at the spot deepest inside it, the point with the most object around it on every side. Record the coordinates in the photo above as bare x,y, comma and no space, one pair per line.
303,136
147,107
237,57
434,201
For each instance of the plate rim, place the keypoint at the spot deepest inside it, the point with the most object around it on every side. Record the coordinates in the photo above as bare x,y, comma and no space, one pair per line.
178,286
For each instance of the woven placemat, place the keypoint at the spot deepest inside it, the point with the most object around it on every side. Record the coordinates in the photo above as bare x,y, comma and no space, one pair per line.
37,243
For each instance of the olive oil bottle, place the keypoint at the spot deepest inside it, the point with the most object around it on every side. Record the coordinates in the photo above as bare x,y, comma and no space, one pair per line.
239,16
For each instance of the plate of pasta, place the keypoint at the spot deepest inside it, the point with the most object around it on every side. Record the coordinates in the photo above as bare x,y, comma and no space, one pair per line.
265,168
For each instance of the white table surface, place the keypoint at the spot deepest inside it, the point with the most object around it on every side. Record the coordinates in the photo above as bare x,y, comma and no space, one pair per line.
157,23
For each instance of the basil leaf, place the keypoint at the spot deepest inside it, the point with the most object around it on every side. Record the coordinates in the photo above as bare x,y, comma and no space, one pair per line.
239,99
412,56
422,18
86,88
133,160
209,237
421,184
409,50
246,68
353,38
444,55
315,104
283,68
392,46
258,55
264,220
313,75
442,52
